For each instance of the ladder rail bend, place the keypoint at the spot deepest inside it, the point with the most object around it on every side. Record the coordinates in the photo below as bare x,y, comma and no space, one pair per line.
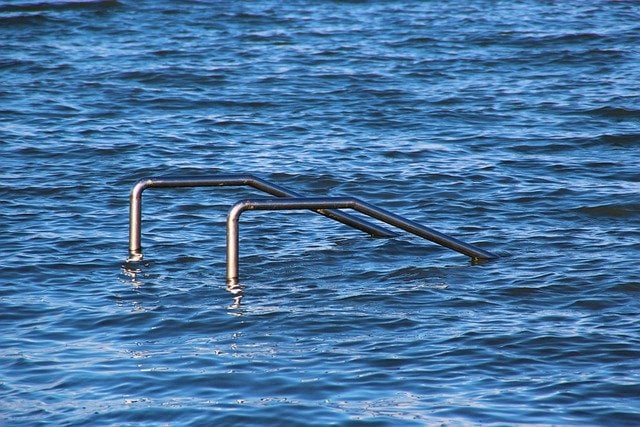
135,203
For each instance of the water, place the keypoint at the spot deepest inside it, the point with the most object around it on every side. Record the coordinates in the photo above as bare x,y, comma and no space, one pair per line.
514,126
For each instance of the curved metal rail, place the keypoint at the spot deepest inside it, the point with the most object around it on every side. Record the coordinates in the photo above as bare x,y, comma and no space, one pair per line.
337,203
135,203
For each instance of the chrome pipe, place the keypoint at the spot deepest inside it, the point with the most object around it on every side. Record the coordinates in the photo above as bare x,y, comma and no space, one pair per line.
314,203
135,203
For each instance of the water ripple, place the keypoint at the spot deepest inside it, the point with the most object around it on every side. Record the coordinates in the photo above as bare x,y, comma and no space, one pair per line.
514,129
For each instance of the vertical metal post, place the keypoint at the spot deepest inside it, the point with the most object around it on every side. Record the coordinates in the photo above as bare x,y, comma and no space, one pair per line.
233,243
135,219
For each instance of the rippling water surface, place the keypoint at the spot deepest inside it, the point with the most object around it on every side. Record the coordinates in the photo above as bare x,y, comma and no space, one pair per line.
514,126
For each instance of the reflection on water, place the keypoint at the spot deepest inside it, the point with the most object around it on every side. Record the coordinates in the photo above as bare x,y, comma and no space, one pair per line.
237,290
132,272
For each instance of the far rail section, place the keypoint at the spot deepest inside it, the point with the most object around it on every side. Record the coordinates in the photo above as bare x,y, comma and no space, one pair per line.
135,203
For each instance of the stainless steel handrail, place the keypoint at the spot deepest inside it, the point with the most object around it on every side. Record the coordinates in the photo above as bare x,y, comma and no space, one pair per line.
135,203
336,203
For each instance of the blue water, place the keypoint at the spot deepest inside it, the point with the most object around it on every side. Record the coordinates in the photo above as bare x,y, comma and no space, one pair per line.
512,125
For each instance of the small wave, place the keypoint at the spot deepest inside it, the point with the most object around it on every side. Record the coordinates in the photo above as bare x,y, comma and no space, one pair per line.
615,112
168,52
591,304
56,5
628,287
413,42
9,63
620,140
574,56
558,39
611,210
18,20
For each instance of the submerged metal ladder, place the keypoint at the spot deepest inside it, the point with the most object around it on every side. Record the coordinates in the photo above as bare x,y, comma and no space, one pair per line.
289,200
